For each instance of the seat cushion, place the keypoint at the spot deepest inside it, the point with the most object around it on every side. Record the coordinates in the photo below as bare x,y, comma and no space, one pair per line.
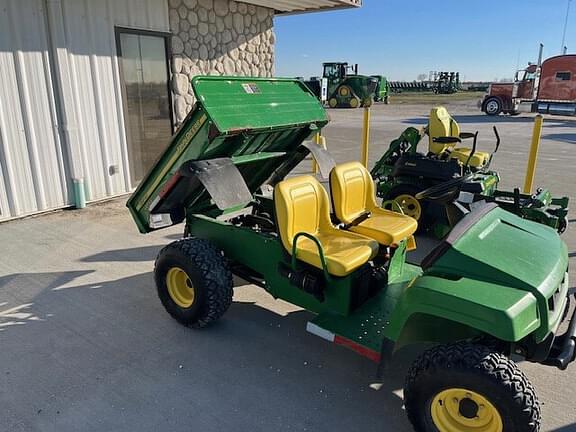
478,159
352,188
302,205
344,252
386,227
441,124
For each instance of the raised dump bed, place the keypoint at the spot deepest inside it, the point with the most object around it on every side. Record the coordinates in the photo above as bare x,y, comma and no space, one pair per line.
255,122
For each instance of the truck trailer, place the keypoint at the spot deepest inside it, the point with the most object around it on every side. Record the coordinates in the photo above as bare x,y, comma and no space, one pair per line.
547,87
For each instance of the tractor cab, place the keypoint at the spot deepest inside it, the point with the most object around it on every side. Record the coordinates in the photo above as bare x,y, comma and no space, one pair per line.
338,70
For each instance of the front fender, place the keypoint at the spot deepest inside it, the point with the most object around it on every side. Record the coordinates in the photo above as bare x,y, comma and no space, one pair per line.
435,309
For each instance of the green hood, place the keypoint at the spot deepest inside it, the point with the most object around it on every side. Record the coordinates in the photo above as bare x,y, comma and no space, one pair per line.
493,246
499,247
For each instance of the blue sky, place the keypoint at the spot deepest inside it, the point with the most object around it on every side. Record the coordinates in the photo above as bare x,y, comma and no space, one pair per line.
482,39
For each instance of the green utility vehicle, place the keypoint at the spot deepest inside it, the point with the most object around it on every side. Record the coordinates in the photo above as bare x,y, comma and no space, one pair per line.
438,187
382,93
485,291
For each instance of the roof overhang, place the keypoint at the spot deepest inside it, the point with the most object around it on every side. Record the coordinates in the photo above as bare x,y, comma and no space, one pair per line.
285,7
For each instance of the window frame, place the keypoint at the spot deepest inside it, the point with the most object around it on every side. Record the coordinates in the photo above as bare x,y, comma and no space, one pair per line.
560,74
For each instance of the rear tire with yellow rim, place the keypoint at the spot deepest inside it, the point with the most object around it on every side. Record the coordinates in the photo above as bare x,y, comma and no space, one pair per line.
466,387
193,281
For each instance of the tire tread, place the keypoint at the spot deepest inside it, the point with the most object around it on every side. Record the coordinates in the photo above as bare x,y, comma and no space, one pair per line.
481,360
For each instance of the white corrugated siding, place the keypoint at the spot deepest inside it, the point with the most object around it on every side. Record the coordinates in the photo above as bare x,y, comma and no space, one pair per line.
95,83
34,168
31,161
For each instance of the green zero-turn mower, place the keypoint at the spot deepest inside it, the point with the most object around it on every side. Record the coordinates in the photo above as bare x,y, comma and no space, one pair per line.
484,292
439,187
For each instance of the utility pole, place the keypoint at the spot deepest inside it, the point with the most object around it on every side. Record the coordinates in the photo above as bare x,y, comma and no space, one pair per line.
565,26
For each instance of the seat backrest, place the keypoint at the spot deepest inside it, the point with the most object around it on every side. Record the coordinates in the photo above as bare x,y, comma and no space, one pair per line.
441,124
352,191
301,205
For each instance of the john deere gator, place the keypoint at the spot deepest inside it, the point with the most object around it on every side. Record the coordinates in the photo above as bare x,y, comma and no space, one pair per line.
484,292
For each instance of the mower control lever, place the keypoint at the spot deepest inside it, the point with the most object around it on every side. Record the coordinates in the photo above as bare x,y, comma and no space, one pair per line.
472,151
497,138
447,140
442,191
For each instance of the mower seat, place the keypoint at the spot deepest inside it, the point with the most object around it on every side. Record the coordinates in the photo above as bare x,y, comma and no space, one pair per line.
302,206
355,205
442,127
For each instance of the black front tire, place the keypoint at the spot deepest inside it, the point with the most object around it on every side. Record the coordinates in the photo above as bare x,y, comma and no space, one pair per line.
210,277
562,225
479,370
493,106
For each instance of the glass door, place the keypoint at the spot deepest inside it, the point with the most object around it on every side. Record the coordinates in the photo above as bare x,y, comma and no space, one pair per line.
144,75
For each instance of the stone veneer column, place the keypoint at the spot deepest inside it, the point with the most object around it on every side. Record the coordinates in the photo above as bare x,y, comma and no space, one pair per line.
217,37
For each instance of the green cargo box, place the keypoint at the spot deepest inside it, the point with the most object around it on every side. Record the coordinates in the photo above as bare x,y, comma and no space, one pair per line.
244,119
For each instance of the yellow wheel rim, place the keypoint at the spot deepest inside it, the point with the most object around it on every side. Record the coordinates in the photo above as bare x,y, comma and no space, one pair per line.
354,102
409,205
461,410
180,287
333,102
343,91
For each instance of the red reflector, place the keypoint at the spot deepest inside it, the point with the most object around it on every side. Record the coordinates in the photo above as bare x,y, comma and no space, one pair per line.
360,349
169,184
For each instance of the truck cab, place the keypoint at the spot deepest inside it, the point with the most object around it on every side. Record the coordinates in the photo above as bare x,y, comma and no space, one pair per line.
525,82
547,87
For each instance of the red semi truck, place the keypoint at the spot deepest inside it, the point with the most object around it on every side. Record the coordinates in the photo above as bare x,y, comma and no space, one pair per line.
547,87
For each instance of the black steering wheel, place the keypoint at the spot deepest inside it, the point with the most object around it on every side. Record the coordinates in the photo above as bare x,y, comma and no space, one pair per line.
443,192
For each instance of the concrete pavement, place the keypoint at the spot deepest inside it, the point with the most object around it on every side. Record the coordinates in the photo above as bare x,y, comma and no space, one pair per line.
85,344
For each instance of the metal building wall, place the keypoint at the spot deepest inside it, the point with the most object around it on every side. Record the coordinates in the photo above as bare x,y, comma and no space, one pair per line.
88,27
32,172
60,101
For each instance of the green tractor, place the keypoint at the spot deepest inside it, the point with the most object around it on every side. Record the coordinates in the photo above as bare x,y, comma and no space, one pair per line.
439,187
226,176
347,89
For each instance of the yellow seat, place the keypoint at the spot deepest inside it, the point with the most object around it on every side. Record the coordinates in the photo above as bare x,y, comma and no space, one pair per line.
441,124
355,205
302,205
